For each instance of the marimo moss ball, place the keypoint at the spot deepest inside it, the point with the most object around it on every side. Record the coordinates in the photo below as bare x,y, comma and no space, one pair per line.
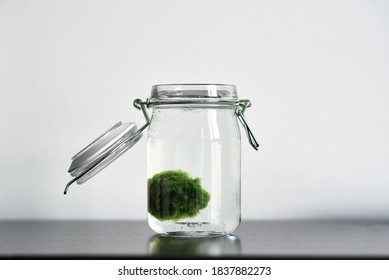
174,195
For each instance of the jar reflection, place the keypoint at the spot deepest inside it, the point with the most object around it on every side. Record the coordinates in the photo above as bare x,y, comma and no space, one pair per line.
161,245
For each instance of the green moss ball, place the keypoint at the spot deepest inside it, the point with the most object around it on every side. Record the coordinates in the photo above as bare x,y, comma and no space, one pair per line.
174,195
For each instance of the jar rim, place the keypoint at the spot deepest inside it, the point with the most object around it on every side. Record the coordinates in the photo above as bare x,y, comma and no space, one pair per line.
194,91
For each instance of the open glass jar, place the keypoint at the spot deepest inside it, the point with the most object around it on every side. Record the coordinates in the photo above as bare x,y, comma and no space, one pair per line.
193,157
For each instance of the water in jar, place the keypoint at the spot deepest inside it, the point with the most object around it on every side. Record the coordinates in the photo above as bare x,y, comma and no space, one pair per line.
204,142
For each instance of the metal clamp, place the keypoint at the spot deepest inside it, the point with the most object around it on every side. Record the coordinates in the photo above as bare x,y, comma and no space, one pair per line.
243,105
141,105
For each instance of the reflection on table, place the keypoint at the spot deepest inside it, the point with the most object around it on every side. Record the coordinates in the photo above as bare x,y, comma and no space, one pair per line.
161,245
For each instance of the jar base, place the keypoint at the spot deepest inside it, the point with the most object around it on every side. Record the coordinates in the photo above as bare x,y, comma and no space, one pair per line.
190,229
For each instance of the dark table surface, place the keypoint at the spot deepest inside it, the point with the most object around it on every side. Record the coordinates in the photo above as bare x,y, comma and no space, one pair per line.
253,239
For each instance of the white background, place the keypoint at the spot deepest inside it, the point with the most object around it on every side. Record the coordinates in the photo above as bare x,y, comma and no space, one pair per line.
317,73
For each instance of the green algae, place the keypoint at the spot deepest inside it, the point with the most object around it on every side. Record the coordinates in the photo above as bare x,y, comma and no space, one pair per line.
174,195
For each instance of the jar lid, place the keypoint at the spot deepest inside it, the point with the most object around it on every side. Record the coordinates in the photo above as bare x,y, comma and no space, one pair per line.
103,151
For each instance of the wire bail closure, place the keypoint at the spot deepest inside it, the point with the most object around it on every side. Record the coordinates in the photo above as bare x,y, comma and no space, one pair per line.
141,105
242,104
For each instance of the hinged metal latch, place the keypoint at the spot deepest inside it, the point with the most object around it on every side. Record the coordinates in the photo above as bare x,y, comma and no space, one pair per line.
243,105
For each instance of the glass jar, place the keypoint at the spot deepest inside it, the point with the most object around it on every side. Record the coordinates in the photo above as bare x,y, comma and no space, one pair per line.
194,160
193,157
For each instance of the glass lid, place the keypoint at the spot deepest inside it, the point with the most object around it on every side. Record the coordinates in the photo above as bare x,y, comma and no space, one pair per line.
103,151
